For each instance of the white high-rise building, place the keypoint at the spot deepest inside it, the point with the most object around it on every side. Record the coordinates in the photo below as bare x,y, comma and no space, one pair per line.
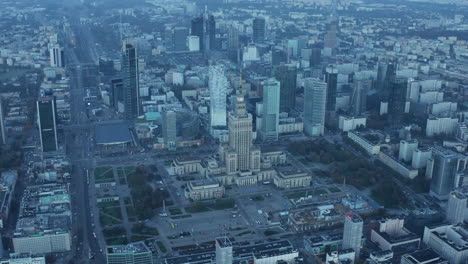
193,43
218,85
352,233
456,207
407,147
315,97
57,56
223,251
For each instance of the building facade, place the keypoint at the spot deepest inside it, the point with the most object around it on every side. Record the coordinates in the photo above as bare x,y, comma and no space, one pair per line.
47,124
271,106
315,96
131,82
352,233
218,85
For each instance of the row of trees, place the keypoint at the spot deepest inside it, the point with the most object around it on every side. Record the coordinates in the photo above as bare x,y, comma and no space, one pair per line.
320,151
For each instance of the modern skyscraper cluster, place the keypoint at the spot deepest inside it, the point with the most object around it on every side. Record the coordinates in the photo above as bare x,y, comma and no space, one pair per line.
204,27
218,85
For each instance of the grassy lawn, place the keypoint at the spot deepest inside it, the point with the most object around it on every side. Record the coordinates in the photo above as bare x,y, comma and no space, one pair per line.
120,173
181,216
130,211
175,211
108,204
137,238
334,190
142,229
161,247
221,204
257,198
129,169
107,221
117,241
297,195
197,208
112,211
103,173
113,232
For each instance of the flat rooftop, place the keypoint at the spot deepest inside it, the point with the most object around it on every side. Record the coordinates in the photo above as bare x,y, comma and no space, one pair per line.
427,256
134,248
355,218
115,133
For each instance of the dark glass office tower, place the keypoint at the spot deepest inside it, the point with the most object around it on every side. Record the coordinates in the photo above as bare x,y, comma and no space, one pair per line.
278,56
448,169
233,43
198,29
258,30
2,125
316,56
180,38
287,76
397,91
130,77
47,124
211,33
116,92
331,78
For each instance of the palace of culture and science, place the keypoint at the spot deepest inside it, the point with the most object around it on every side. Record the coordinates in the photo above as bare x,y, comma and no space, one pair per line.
239,161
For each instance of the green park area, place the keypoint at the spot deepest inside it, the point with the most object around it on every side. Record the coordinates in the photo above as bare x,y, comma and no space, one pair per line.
218,204
354,169
103,174
145,199
109,213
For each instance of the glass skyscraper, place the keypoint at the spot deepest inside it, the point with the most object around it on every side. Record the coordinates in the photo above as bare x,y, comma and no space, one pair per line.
218,85
131,86
47,124
315,96
287,76
270,116
447,169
